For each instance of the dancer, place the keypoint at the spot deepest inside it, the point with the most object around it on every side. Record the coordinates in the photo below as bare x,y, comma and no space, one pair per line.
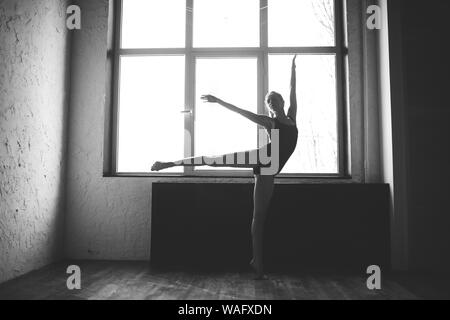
286,126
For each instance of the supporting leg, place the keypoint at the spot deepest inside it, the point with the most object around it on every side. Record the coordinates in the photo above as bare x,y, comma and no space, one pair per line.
263,192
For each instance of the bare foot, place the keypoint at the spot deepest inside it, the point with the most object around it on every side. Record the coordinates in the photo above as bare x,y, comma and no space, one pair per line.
258,270
158,166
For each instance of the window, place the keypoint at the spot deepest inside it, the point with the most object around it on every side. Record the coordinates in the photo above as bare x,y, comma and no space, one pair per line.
170,52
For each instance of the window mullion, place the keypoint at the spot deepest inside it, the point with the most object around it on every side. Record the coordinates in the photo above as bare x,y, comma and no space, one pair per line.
189,87
264,31
263,57
341,85
116,75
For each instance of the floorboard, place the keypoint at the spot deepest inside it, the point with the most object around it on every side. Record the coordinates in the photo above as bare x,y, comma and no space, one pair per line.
136,281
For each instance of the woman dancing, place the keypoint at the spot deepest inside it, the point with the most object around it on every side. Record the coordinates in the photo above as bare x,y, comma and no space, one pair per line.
264,183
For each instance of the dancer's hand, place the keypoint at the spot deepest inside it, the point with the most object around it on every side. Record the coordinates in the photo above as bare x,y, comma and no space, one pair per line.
294,62
209,98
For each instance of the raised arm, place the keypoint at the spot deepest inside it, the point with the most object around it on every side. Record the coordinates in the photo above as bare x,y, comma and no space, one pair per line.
292,113
261,120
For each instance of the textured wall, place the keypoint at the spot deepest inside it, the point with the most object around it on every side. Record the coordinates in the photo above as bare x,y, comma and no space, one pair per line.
107,218
33,91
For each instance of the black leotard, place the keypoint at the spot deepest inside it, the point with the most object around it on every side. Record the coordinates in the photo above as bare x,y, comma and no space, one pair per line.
288,136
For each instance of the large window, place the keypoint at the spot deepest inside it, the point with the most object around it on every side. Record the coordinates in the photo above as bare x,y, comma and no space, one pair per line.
170,52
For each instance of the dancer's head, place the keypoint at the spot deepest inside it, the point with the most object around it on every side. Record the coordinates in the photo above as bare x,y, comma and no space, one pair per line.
275,103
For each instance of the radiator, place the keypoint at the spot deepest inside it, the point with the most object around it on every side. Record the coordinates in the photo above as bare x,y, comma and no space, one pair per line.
324,226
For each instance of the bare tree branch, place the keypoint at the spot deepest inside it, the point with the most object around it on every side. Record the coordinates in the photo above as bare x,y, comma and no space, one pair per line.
324,11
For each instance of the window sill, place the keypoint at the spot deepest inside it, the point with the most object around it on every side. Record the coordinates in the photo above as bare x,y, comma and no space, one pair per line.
208,178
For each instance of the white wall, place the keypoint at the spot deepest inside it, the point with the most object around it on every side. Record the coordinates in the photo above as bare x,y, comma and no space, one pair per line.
33,105
107,218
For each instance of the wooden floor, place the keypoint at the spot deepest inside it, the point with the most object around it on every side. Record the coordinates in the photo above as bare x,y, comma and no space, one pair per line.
130,280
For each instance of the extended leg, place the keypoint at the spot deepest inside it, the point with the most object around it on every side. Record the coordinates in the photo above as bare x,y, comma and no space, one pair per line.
244,159
263,192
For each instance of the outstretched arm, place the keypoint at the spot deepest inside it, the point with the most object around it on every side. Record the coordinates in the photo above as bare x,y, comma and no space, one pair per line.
292,113
261,120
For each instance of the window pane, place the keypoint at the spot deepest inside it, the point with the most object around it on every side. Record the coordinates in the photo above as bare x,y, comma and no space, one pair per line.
153,23
297,23
226,23
220,131
151,126
317,149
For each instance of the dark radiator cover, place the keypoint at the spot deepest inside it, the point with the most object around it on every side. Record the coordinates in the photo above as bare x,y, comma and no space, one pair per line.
326,227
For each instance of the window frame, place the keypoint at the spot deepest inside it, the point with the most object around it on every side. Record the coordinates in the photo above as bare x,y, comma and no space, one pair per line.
339,50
